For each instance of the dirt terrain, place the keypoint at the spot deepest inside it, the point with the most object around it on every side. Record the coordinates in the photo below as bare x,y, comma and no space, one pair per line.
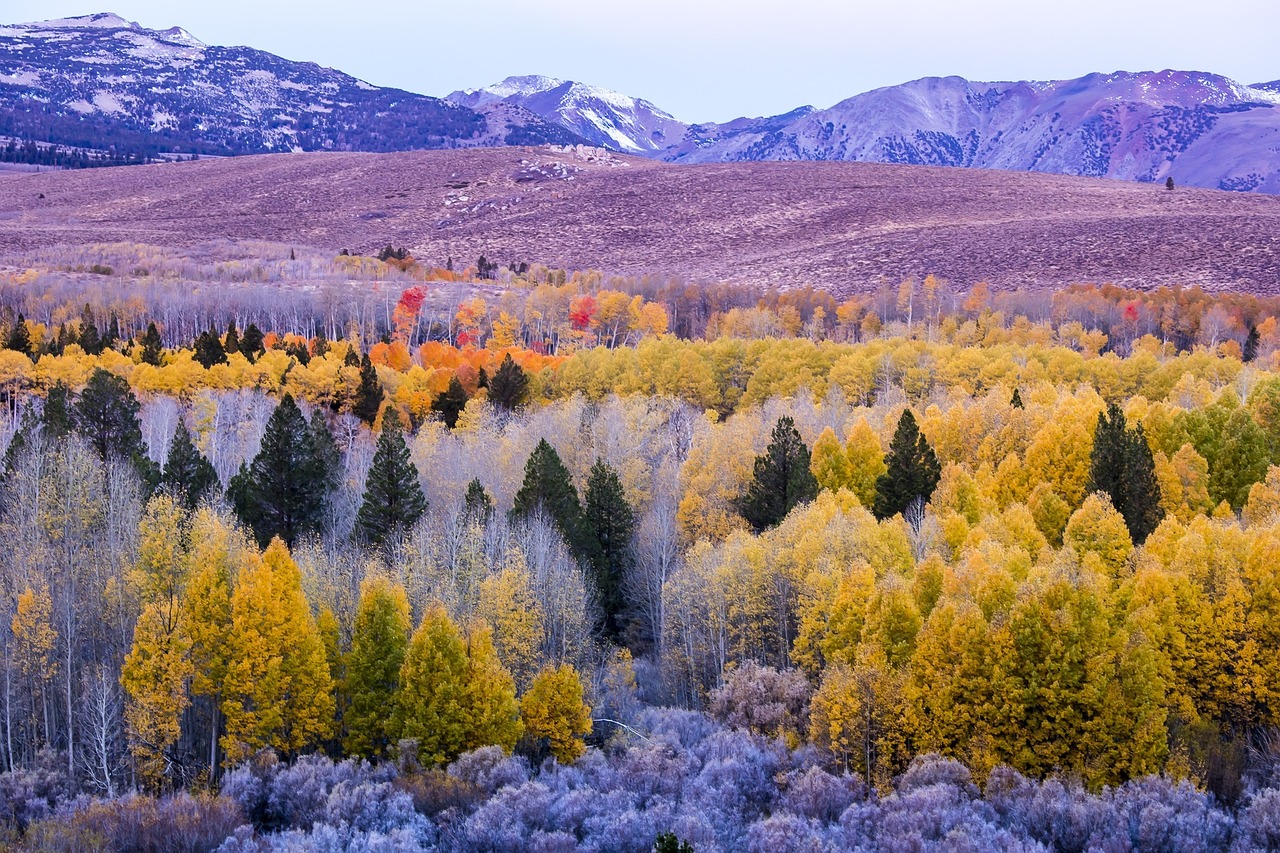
841,226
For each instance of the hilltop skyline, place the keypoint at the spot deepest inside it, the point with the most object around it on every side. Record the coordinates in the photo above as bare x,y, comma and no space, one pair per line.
821,54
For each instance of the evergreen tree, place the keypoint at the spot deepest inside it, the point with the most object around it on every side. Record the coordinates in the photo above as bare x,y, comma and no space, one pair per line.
251,343
321,345
62,340
482,380
782,478
208,349
187,472
509,388
368,399
611,523
152,346
20,337
1251,344
379,639
112,336
55,417
328,456
106,415
282,492
911,472
352,358
431,705
548,488
90,341
1122,466
669,842
450,404
477,506
231,343
393,500
1016,401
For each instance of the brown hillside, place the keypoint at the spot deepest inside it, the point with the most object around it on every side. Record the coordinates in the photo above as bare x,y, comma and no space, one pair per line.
841,226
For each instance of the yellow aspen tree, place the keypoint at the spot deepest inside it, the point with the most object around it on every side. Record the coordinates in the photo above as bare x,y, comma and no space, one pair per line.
34,640
865,456
155,676
829,464
431,705
278,692
1096,528
379,638
493,715
509,607
554,713
217,551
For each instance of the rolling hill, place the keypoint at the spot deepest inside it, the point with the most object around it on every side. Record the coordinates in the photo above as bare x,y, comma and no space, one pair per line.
840,226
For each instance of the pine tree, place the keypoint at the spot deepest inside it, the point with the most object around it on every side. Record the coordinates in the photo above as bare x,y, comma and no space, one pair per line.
90,340
20,338
231,340
368,399
187,472
509,387
321,345
352,358
554,714
493,714
112,336
611,523
477,506
379,639
251,343
152,346
548,488
1251,344
208,349
911,472
1016,401
393,500
328,456
1122,466
106,415
278,692
282,492
55,417
450,404
431,705
782,478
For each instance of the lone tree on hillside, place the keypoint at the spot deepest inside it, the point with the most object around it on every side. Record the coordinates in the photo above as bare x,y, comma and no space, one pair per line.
1121,465
912,470
1168,183
782,478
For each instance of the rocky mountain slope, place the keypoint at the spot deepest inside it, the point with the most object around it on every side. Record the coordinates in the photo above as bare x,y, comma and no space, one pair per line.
841,226
603,117
101,82
1202,129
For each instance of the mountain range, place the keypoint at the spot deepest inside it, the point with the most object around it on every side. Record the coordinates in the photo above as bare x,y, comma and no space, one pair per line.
100,82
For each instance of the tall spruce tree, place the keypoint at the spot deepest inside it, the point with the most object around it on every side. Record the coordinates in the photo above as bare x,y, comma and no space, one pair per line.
477,506
1251,344
393,500
20,337
251,343
368,399
208,349
55,417
186,471
1016,400
231,342
89,339
611,522
112,336
106,415
783,479
548,488
282,492
509,387
450,404
1122,466
911,472
152,346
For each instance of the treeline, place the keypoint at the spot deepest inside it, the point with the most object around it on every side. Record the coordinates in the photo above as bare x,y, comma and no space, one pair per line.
61,157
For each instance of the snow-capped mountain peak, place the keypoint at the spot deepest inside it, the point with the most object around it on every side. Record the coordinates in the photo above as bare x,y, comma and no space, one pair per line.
603,116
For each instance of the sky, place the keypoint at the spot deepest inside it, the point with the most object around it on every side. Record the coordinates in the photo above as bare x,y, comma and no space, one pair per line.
713,61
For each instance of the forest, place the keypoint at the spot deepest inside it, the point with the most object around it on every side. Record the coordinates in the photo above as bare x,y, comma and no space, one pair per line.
313,553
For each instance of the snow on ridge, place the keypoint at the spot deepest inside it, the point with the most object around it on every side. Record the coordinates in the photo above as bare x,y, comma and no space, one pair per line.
100,20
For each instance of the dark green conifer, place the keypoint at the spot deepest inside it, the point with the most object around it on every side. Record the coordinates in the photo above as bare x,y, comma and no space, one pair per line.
152,346
509,387
368,399
231,343
1016,400
328,456
782,478
611,522
187,473
112,336
208,349
251,343
477,506
1251,344
393,500
106,415
450,404
281,493
352,358
55,418
89,339
1122,466
912,470
20,337
548,488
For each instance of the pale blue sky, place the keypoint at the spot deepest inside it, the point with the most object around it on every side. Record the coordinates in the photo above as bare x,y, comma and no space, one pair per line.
709,61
